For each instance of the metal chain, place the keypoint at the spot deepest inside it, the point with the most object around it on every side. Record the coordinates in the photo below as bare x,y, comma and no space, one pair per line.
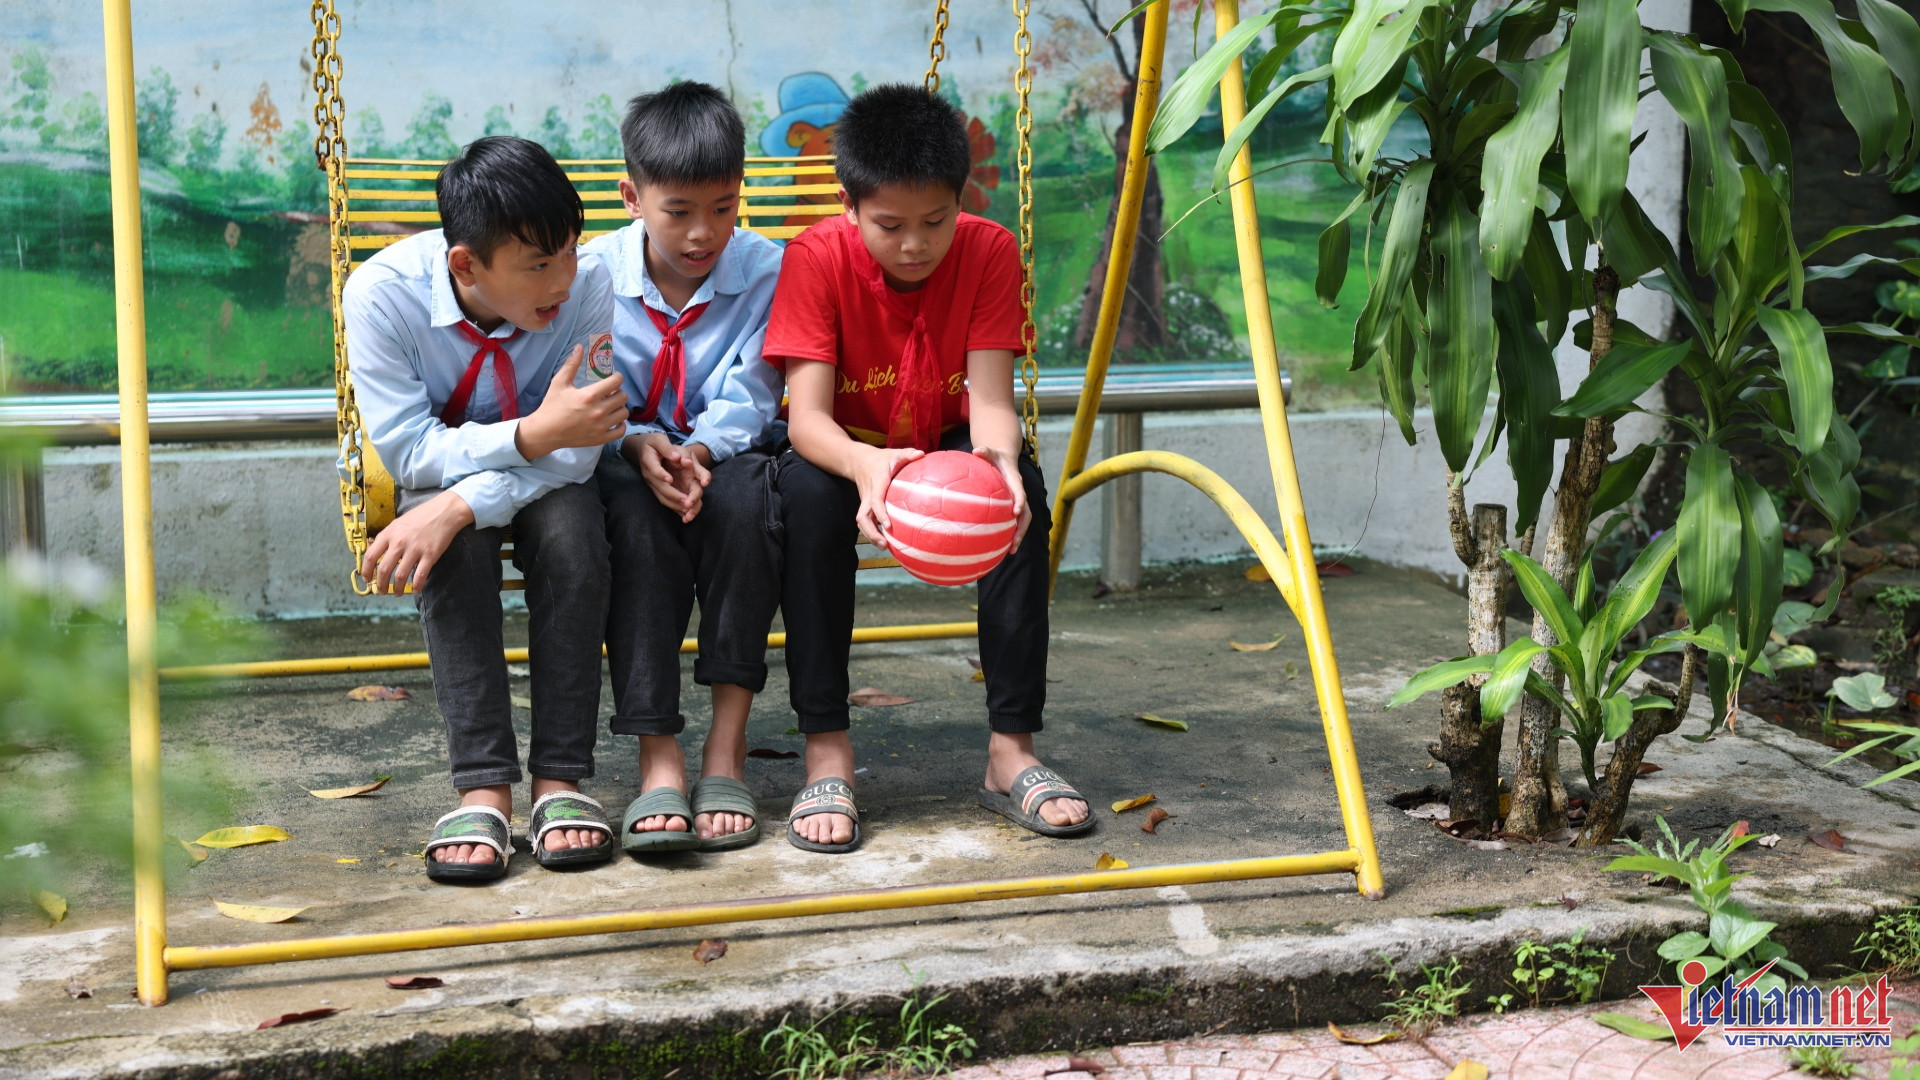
1023,163
330,154
937,48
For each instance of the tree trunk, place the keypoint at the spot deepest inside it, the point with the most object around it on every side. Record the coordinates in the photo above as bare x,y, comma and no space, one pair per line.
1469,748
1609,808
1539,799
1142,331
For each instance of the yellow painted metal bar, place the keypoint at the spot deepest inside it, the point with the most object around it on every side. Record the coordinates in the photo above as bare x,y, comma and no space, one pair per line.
776,907
1238,510
1113,290
136,514
1286,479
345,665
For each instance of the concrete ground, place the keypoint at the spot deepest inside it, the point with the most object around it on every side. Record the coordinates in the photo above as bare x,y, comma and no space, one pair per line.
1249,777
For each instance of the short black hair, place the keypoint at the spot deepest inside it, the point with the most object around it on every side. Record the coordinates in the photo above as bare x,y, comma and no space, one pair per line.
687,133
895,133
504,188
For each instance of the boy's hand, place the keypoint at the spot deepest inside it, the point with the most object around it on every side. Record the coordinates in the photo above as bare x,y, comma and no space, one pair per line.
1009,466
573,415
406,550
872,476
676,475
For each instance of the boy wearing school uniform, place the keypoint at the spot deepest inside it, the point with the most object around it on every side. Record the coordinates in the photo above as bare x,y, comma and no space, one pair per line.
897,325
472,349
686,490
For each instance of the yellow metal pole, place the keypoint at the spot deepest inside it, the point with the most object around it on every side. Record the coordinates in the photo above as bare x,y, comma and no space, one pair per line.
778,907
136,511
1113,291
1286,479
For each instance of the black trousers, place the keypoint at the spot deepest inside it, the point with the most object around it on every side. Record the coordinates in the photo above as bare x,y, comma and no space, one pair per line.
560,546
816,515
726,557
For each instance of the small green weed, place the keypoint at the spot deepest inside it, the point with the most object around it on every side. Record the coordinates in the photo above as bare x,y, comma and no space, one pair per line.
1563,971
1435,999
1890,643
924,1047
1825,1061
1892,945
1903,1066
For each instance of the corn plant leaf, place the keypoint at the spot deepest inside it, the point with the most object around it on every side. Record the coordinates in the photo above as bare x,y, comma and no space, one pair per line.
1621,376
1188,97
1634,247
1551,285
1827,479
1621,478
1602,93
1904,221
1862,82
1508,679
1709,529
1461,351
1545,595
1898,36
1398,251
1397,361
1440,676
1335,253
256,913
1529,390
1806,369
1756,586
1242,131
1638,589
1616,716
1367,51
1694,82
1511,173
242,835
1367,122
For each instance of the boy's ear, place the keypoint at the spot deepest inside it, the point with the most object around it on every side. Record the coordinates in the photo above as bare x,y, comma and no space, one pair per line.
853,208
460,262
630,196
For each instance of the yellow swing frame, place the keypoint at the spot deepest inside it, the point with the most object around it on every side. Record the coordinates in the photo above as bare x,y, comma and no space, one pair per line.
1290,564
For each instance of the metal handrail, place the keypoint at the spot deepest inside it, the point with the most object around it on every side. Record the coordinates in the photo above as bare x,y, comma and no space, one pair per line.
231,415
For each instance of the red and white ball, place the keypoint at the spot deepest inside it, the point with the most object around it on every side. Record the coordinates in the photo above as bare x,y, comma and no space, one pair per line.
949,517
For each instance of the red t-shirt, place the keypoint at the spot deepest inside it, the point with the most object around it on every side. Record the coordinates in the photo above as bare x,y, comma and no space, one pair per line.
829,306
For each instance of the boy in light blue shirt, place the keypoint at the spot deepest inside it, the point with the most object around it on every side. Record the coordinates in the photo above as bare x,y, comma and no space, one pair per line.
472,349
686,491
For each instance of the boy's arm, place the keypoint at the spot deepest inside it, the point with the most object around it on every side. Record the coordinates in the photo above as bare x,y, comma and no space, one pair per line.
995,424
822,441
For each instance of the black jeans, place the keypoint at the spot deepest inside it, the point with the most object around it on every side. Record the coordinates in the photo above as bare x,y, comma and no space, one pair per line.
560,545
726,556
816,513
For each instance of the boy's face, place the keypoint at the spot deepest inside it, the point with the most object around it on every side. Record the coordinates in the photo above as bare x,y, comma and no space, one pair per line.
907,230
520,284
688,225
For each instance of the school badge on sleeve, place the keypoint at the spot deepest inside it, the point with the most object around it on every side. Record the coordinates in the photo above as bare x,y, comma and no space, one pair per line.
600,355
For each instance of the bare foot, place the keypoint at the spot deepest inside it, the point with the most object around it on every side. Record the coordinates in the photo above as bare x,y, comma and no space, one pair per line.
662,765
828,754
725,754
1010,755
499,797
562,839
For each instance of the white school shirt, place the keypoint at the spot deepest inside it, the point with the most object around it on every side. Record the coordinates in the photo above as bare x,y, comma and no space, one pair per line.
407,355
733,394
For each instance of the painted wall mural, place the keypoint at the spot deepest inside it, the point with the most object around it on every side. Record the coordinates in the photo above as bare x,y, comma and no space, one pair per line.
235,209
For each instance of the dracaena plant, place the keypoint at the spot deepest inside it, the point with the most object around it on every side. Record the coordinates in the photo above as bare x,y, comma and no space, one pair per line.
1481,250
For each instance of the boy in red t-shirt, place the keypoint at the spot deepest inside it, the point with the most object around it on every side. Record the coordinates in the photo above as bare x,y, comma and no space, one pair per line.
897,325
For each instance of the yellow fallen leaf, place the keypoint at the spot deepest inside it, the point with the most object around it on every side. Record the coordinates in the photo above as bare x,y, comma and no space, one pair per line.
378,693
979,676
346,860
1243,647
1108,862
53,904
1177,725
349,792
1125,805
1361,1040
242,835
1258,572
194,851
254,913
1468,1070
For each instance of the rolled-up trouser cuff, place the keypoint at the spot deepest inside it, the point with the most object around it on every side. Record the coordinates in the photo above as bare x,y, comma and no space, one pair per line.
474,778
730,673
1013,723
559,772
672,724
822,724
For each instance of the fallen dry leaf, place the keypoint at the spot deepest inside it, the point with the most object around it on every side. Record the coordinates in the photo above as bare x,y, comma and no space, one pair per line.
1243,647
349,792
77,989
1831,840
53,904
1292,671
346,861
1433,811
1647,768
1361,1040
1334,569
194,851
761,751
415,982
974,662
1154,818
1258,572
1741,828
1177,725
1568,902
255,913
868,697
1468,1070
1108,862
709,950
1769,840
979,676
1125,805
296,1018
378,693
242,835
1080,1064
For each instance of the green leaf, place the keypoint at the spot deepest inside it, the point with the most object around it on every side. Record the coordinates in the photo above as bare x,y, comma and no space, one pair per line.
1904,221
1242,131
1602,92
1709,529
1636,592
1621,376
1898,36
1806,369
1652,864
1461,352
1511,173
1440,676
1684,945
1651,701
1529,389
1865,692
1796,569
1793,658
1634,1027
1694,82
1827,480
1369,120
1861,80
1616,717
1509,679
1774,151
1634,247
1336,252
1545,595
1366,51
1733,936
1552,285
1397,363
1756,583
1398,253
1188,97
1621,478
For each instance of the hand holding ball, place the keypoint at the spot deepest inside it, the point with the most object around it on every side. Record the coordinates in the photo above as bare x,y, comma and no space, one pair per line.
950,517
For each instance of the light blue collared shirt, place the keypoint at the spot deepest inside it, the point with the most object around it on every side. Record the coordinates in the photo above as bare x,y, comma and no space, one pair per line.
732,394
407,356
